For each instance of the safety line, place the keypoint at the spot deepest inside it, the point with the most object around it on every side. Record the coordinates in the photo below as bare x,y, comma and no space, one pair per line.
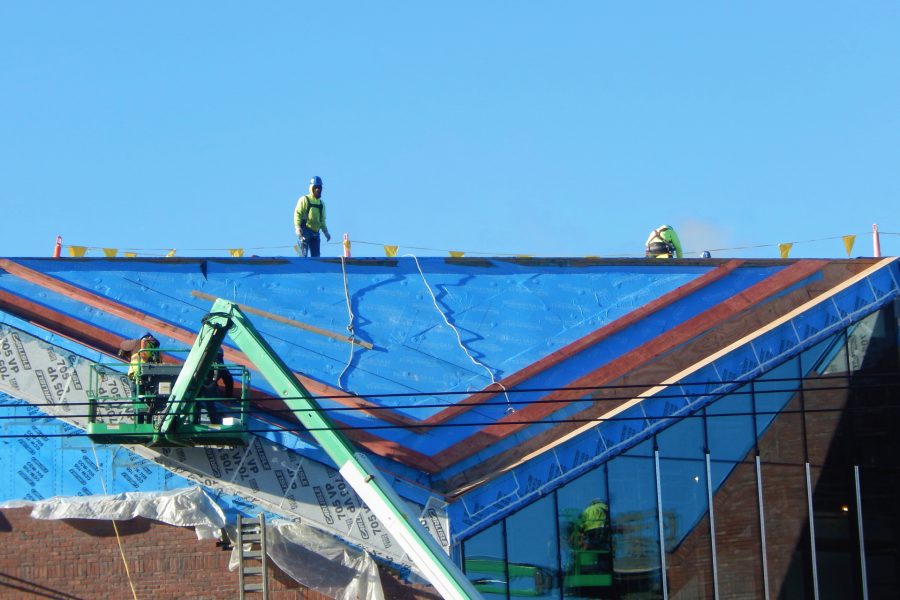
115,527
509,406
350,329
162,252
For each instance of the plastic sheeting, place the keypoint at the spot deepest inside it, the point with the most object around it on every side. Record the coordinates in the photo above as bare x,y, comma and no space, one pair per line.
320,562
189,507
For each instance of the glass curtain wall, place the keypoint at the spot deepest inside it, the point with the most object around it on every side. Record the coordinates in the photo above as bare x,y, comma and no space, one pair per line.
785,488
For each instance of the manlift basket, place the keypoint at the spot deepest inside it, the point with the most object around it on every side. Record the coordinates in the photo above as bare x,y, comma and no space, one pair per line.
126,411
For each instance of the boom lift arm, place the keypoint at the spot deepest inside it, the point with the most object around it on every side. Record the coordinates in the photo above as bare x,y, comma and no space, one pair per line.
226,318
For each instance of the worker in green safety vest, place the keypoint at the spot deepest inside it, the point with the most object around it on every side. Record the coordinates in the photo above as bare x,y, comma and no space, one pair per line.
592,529
309,219
663,243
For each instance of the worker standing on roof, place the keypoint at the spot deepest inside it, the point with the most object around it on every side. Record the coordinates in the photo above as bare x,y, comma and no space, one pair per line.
309,219
663,243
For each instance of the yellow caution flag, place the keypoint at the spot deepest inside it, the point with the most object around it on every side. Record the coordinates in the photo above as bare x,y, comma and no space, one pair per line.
236,252
171,253
391,250
457,254
848,243
130,254
110,252
77,251
785,249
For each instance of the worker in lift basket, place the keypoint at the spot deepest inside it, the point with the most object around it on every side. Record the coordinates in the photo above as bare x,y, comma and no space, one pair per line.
309,219
142,351
663,243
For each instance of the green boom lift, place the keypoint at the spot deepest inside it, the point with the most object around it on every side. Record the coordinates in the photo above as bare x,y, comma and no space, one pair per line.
174,428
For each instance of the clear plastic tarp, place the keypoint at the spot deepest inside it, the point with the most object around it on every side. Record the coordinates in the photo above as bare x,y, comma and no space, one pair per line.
321,562
189,507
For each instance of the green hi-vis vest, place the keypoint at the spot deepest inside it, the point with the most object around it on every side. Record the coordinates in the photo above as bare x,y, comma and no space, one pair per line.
313,216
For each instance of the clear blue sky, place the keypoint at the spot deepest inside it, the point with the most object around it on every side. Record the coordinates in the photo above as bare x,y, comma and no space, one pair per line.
563,129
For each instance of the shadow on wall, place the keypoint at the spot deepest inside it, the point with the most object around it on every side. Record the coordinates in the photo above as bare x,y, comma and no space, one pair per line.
104,529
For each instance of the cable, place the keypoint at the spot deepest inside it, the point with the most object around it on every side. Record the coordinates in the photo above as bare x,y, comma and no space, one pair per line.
163,252
641,386
115,527
509,407
598,420
350,328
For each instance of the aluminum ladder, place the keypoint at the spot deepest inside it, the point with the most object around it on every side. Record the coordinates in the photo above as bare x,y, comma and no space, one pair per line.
253,576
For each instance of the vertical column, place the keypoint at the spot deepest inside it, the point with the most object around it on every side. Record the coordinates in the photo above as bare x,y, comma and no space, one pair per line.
862,540
762,527
659,516
712,528
812,533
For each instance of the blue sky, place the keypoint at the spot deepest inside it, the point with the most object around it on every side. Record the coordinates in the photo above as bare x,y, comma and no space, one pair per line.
488,127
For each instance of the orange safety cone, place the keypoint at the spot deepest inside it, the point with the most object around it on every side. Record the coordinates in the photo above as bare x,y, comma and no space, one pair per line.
58,247
346,245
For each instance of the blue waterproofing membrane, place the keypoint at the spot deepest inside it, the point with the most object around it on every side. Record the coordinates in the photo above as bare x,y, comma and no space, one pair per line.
409,483
524,484
281,432
509,314
43,457
602,353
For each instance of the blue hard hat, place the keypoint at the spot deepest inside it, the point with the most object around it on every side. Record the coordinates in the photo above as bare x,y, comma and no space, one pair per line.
316,181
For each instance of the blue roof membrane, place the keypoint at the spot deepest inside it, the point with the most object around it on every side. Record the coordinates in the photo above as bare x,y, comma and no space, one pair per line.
508,314
524,483
590,359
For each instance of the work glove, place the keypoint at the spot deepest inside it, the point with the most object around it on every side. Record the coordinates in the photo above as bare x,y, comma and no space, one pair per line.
297,231
327,235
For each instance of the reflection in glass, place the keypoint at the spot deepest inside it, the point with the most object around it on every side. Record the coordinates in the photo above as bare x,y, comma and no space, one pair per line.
635,527
682,467
532,551
485,562
585,537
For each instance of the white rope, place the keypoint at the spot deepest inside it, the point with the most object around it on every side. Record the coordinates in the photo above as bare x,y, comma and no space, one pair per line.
115,527
350,328
509,406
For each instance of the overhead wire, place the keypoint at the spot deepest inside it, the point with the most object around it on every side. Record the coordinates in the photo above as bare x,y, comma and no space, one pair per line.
488,422
617,418
559,389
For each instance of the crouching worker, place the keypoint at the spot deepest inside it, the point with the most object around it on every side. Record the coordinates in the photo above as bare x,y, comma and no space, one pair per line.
663,243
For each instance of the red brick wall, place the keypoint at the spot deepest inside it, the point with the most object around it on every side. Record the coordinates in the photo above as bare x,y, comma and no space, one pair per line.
80,559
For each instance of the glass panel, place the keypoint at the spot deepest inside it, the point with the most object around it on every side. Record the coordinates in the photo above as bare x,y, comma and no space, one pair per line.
785,435
834,514
584,539
787,529
774,389
485,562
738,539
730,433
880,490
869,341
635,524
532,551
682,467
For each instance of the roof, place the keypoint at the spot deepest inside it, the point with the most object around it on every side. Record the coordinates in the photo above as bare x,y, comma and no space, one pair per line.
484,381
